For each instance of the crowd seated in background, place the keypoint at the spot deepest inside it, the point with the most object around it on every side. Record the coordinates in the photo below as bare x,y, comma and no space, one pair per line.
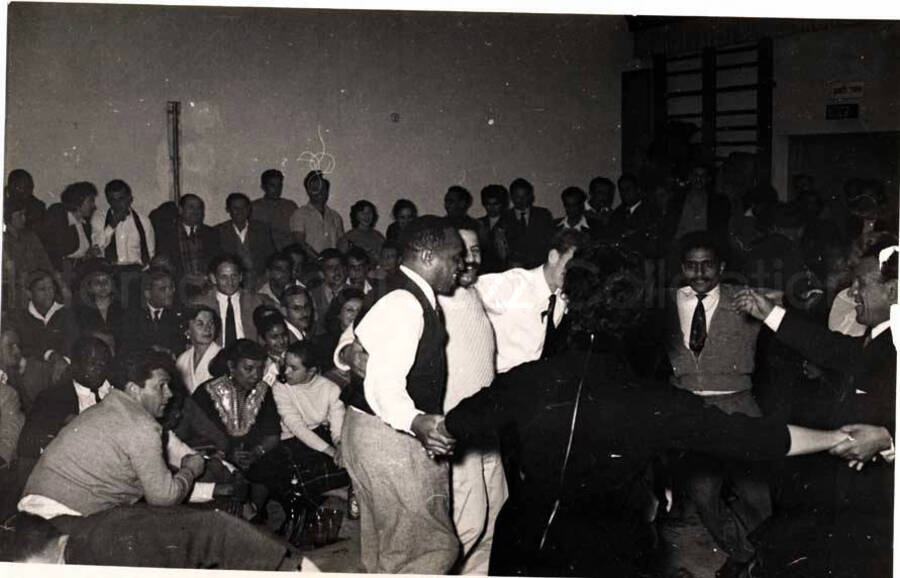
132,345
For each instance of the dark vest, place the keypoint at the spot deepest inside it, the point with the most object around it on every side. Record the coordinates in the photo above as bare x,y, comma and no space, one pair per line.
426,382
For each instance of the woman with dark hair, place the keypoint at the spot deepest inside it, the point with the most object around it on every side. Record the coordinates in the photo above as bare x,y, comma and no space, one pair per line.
96,305
363,217
275,338
588,431
66,230
404,212
342,312
202,327
240,403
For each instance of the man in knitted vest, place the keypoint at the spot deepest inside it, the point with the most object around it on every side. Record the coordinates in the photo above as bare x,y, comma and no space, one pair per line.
711,347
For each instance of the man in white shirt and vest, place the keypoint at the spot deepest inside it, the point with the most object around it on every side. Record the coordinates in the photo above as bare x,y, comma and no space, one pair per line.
711,348
404,495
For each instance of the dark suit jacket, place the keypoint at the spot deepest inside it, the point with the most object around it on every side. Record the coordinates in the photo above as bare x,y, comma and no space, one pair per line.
639,229
491,259
254,252
139,332
168,242
718,214
827,507
58,236
528,246
51,410
249,302
37,338
88,319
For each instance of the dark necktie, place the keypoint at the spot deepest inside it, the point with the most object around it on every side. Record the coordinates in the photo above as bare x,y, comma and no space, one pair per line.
156,315
192,232
230,325
523,224
548,331
97,395
698,326
868,337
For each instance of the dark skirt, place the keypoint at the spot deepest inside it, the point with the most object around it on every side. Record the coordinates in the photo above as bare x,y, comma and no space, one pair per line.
296,469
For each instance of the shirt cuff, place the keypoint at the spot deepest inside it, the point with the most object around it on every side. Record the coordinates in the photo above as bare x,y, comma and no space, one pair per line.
775,317
888,454
203,492
346,339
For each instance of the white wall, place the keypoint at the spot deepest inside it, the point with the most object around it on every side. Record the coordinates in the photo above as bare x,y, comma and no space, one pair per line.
480,98
804,64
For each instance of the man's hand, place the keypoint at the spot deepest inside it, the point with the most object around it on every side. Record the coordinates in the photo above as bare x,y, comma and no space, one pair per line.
863,443
427,430
338,456
241,458
193,463
356,356
752,302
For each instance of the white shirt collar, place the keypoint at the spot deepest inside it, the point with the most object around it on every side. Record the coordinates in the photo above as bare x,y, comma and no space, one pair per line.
687,292
635,206
422,283
880,328
541,282
242,233
45,319
103,390
223,299
582,224
187,228
153,310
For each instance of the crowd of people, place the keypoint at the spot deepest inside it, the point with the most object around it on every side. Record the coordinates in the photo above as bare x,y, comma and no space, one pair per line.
511,394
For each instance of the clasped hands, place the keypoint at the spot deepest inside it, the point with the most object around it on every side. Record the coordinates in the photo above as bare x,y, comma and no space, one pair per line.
432,433
863,444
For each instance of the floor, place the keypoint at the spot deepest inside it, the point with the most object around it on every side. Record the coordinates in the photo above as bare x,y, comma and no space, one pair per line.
689,545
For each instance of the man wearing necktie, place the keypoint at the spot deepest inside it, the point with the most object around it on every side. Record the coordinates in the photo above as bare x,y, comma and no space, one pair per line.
838,520
711,349
156,323
529,228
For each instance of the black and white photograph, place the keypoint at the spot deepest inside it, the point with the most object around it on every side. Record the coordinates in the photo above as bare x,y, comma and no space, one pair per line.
489,290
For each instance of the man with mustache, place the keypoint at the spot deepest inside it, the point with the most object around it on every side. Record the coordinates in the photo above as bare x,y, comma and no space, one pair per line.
711,348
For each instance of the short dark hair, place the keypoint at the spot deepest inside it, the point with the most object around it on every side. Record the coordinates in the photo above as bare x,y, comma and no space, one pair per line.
358,254
425,233
26,535
154,274
17,174
234,352
269,174
566,239
139,366
463,192
265,317
598,181
403,204
497,192
38,275
84,345
357,208
74,194
626,177
292,290
223,258
391,245
115,186
295,249
235,197
193,310
332,253
307,354
521,183
576,192
700,240
278,256
315,180
185,198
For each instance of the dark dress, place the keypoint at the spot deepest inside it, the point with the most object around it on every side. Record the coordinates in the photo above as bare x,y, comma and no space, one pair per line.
602,526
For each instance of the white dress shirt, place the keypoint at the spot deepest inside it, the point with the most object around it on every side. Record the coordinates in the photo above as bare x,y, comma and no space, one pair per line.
222,300
686,299
295,331
191,375
242,234
390,333
128,241
45,319
305,406
514,301
581,225
83,242
86,397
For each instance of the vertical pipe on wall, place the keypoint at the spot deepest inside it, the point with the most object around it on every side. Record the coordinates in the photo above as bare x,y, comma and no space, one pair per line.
173,124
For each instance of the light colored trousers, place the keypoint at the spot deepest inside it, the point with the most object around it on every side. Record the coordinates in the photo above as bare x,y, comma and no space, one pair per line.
404,499
479,491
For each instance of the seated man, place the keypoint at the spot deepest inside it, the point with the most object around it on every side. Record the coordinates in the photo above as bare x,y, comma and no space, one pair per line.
358,265
279,267
188,242
334,271
573,199
298,312
89,480
46,327
156,323
249,239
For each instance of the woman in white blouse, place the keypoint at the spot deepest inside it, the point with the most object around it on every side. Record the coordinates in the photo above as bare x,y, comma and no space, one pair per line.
203,326
312,415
